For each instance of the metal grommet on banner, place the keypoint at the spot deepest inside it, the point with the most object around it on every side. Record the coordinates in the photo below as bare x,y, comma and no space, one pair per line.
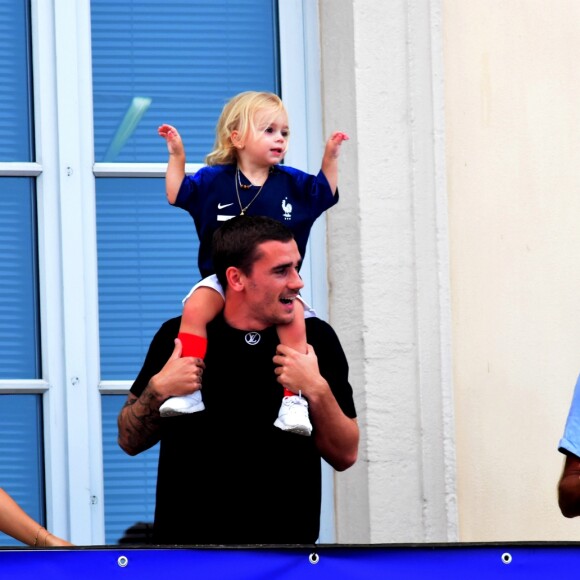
506,558
122,561
314,558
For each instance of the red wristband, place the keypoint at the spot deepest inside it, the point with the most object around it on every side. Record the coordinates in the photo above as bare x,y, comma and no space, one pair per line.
193,345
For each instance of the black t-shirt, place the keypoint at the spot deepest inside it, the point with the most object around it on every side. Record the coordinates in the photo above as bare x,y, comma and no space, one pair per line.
227,475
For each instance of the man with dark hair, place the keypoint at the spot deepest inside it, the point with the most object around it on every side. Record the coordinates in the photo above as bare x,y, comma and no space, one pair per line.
247,482
238,240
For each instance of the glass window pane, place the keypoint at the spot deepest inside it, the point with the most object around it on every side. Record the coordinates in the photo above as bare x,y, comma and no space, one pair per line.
19,327
129,483
15,127
176,62
21,451
147,263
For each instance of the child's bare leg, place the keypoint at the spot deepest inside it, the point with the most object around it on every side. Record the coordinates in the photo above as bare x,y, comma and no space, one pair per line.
199,309
293,415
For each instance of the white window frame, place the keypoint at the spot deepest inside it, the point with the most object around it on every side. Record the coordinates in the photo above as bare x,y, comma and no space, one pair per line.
65,173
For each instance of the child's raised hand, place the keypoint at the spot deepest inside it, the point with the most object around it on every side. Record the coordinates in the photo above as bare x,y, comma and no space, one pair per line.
172,138
334,143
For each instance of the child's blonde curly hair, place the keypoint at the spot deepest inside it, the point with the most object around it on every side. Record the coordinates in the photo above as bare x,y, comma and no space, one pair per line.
239,115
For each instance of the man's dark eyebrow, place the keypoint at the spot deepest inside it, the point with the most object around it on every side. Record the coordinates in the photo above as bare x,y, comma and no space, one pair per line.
285,266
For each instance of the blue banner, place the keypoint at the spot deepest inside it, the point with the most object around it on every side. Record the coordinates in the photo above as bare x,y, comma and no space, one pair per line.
449,561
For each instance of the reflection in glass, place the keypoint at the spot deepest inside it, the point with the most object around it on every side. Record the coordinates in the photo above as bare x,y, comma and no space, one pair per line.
21,452
186,58
135,112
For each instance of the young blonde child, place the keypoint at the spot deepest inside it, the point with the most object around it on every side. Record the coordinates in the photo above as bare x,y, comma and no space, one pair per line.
243,176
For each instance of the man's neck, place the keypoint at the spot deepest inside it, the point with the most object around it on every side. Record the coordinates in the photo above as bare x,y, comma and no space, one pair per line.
236,317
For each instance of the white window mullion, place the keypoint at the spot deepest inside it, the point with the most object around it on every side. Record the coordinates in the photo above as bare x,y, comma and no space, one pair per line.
50,300
22,386
76,197
90,271
17,169
137,169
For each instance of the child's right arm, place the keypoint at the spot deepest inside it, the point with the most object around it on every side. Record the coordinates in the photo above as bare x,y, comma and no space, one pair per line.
176,163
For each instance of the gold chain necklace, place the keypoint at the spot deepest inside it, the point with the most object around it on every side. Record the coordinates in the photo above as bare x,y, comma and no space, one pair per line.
243,185
237,179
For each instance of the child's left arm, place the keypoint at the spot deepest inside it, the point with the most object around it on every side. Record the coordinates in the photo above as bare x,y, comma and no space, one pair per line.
330,159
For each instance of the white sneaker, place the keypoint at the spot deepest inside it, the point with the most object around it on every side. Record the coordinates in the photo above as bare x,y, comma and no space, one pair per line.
183,405
293,416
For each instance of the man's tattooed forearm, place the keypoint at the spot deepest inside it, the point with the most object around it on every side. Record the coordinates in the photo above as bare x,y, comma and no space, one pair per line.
138,424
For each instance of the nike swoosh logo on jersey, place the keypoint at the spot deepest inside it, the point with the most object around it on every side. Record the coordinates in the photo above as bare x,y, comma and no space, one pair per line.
224,205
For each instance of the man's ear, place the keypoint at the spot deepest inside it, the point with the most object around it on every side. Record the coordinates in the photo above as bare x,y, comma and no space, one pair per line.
235,278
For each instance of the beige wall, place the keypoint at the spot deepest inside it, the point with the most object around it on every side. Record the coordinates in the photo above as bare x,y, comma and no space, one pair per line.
453,261
512,98
388,268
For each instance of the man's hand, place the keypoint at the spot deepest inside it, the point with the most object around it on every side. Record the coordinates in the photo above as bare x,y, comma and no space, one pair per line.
569,488
297,371
336,436
139,419
179,376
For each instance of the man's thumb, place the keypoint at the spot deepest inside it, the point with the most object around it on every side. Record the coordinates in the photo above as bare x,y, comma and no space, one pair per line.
176,350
